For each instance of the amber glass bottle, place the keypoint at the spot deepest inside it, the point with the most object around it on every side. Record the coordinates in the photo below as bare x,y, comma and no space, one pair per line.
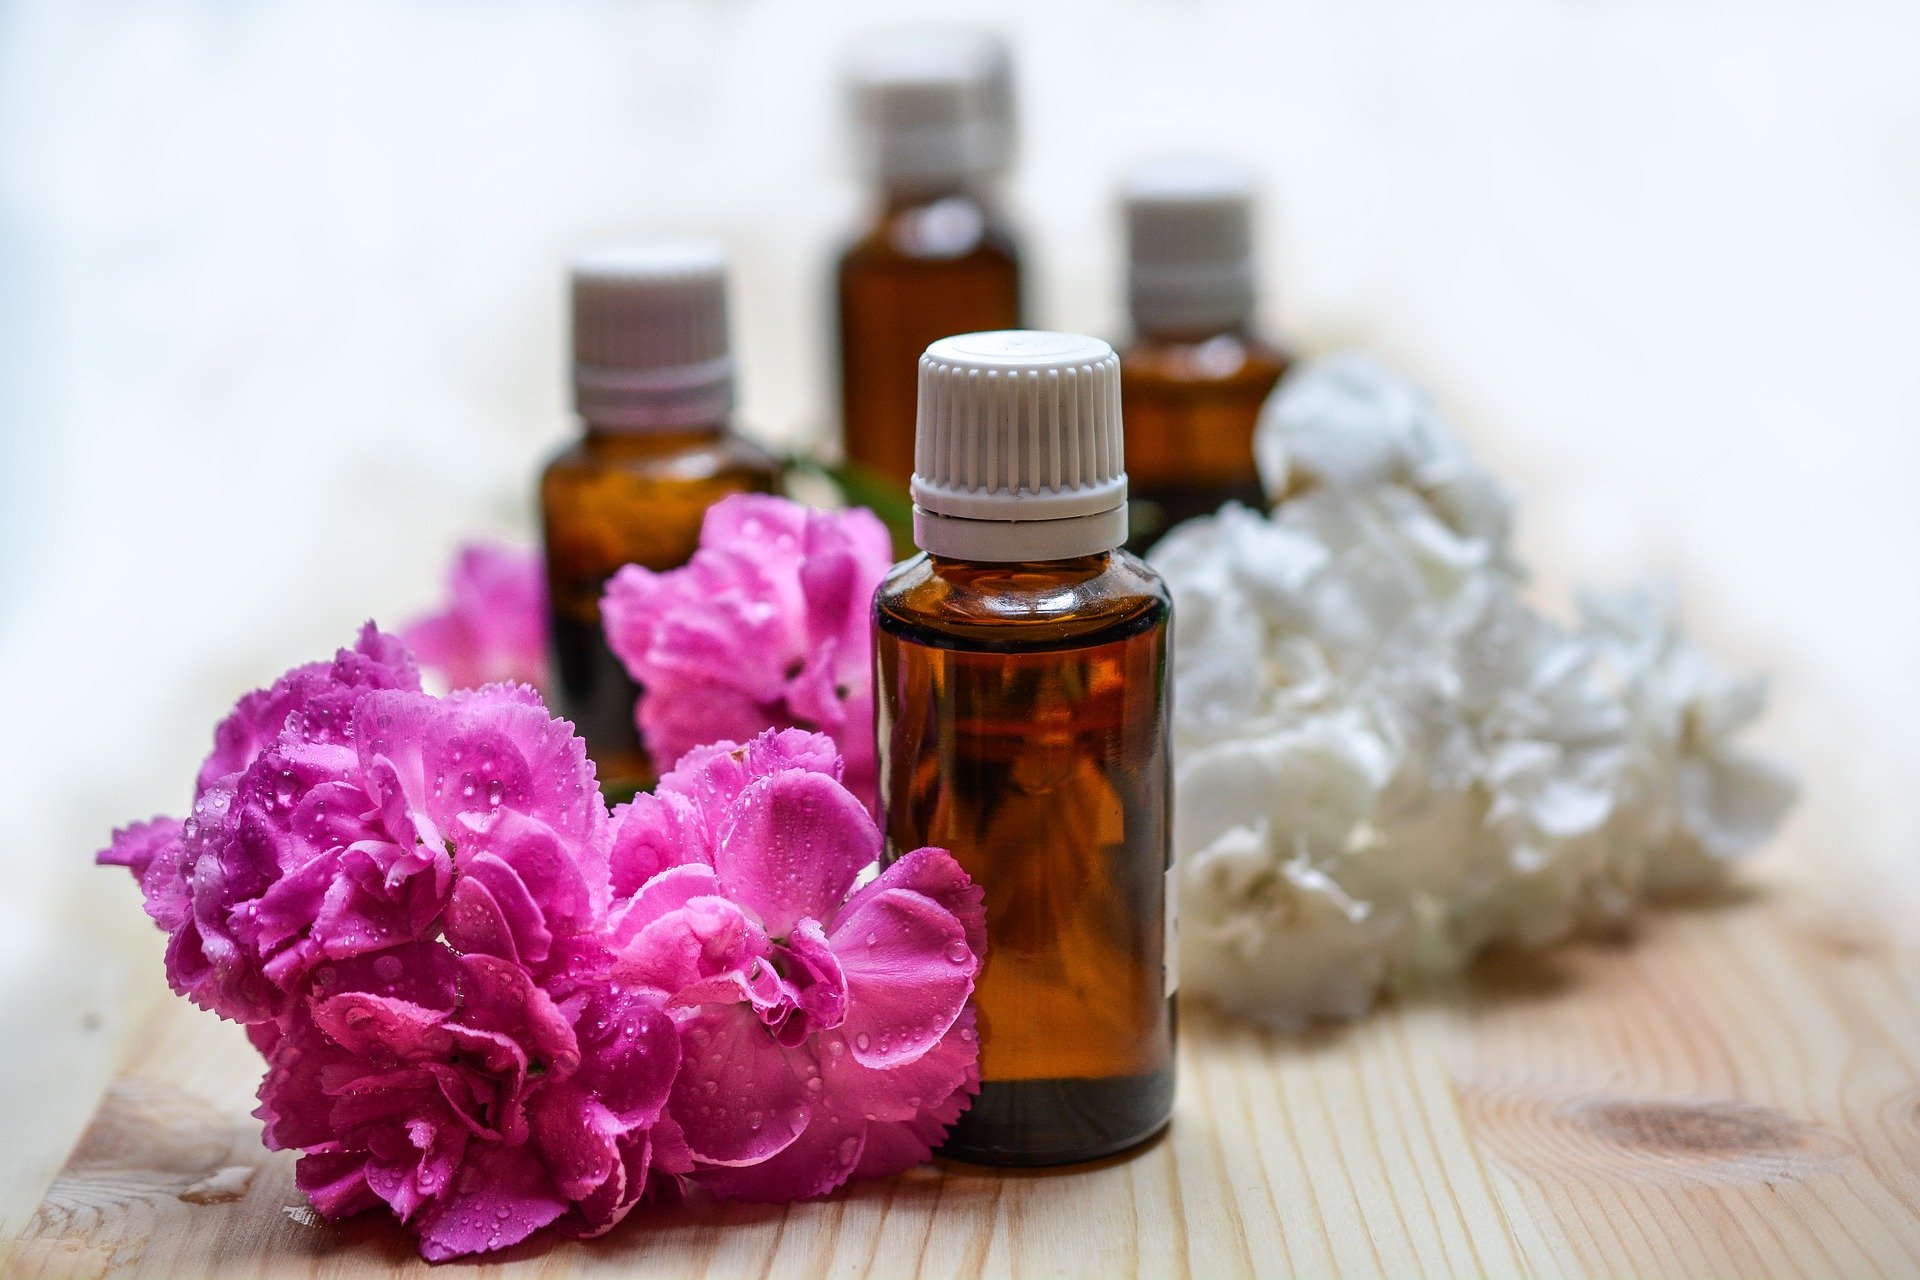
653,384
1195,375
1022,705
934,115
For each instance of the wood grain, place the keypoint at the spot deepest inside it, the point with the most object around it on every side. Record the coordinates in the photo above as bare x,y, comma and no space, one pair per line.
1734,1092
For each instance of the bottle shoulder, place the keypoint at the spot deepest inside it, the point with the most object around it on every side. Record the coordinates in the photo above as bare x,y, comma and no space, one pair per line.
1055,604
1220,358
957,228
664,455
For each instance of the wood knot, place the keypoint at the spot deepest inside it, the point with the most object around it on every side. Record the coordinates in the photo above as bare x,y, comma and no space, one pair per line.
1652,1139
1710,1137
1702,1130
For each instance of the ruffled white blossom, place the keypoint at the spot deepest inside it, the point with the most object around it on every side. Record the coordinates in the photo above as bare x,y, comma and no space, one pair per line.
1386,761
1693,799
1265,830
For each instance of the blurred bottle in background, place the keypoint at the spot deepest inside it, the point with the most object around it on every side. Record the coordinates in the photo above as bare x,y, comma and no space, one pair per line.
653,385
1195,375
933,114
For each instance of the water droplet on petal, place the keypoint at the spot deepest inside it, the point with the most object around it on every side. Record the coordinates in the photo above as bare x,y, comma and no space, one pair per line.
861,1041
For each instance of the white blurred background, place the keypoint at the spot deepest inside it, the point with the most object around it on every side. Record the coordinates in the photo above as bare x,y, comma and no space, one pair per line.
280,320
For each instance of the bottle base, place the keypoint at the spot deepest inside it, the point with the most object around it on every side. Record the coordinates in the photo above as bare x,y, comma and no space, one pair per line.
1035,1123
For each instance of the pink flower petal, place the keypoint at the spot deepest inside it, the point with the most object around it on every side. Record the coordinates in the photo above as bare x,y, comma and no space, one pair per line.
563,891
578,1138
652,833
818,984
933,873
666,892
630,1056
739,1098
819,1160
603,1210
765,627
909,972
706,937
365,1025
501,997
335,1183
377,661
711,777
425,974
909,1089
508,1197
136,845
795,845
477,923
494,625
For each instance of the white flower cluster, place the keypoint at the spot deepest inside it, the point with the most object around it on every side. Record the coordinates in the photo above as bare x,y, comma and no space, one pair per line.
1385,759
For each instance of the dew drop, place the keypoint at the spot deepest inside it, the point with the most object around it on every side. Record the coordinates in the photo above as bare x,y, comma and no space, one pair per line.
861,1041
959,953
388,968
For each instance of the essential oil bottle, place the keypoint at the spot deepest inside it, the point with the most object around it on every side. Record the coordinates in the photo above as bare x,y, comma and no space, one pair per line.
1196,374
933,115
653,386
1021,662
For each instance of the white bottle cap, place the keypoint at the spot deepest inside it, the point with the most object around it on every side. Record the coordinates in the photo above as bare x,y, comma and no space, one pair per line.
1018,448
932,108
1189,247
650,335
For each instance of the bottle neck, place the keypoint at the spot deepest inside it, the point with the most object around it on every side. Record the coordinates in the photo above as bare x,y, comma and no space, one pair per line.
1191,303
1176,335
1069,567
649,442
1019,541
899,194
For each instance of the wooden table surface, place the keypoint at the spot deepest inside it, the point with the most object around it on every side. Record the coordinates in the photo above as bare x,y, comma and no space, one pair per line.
1735,1091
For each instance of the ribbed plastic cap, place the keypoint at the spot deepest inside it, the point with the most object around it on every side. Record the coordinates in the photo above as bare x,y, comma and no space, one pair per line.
1018,447
1189,246
650,334
932,106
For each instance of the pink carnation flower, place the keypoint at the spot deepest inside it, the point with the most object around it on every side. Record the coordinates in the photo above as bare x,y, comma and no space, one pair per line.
349,802
824,1036
766,627
493,627
465,1097
491,1010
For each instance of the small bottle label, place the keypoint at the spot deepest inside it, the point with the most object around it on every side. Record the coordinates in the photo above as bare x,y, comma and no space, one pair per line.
1170,935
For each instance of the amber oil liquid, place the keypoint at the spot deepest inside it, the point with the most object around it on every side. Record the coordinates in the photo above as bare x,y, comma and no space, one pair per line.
616,497
1190,403
1023,712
